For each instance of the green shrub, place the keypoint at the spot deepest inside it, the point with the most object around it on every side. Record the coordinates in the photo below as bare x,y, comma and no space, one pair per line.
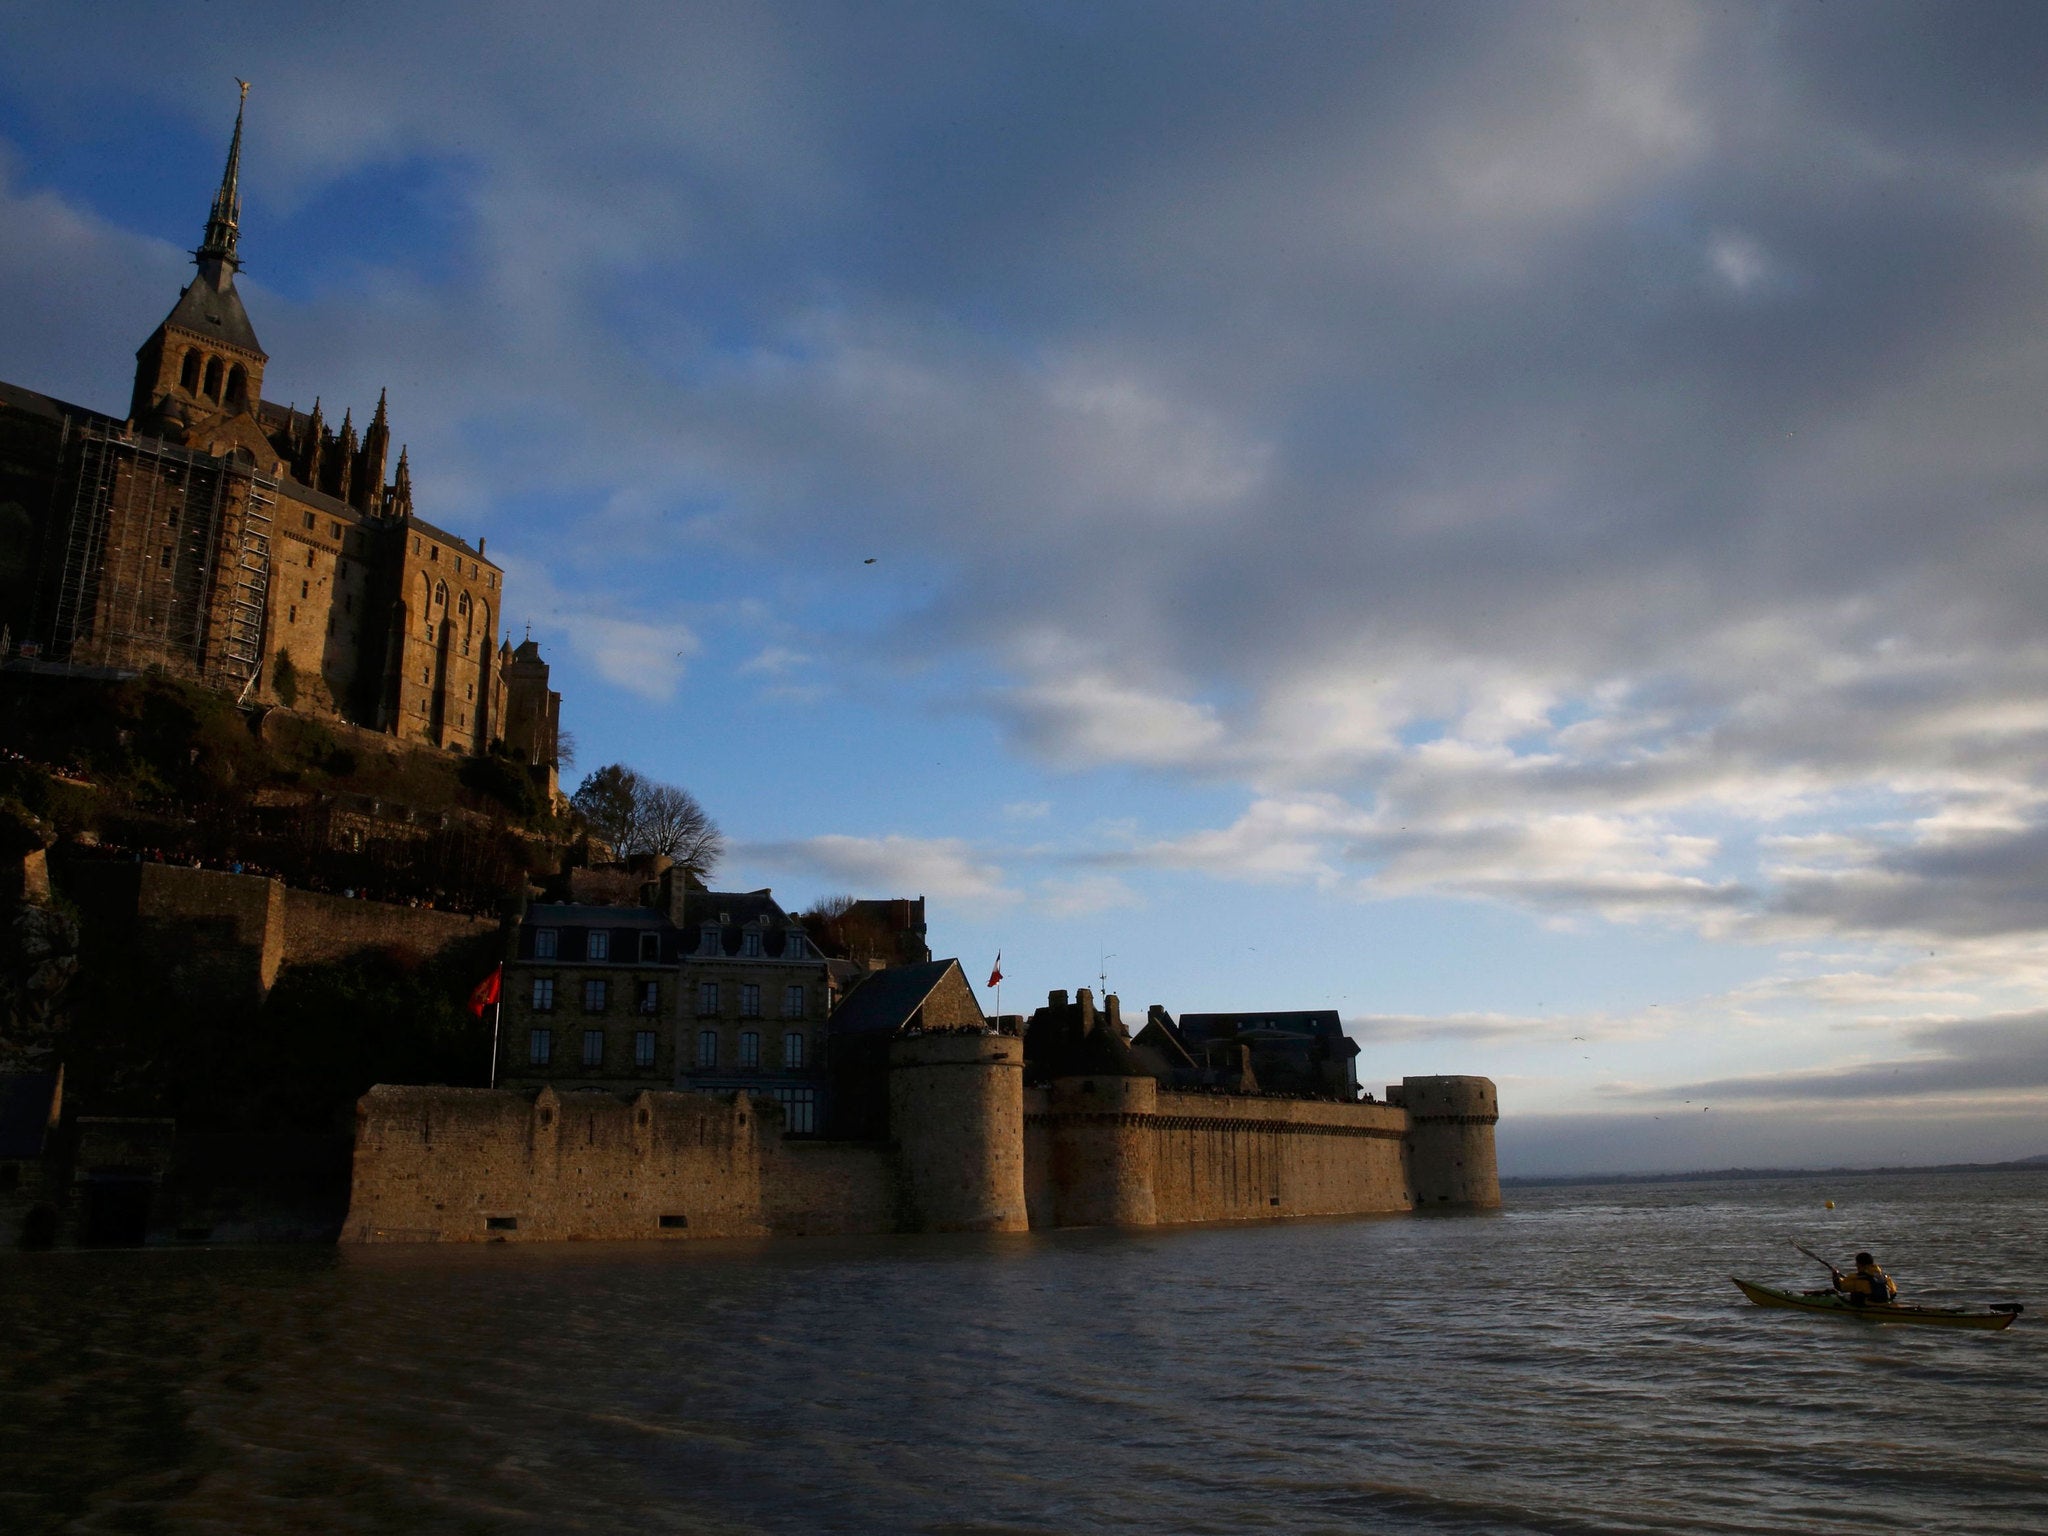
507,783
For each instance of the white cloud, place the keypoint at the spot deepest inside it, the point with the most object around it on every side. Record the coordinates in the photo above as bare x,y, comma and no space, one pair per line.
941,868
643,655
1073,896
1089,719
1274,841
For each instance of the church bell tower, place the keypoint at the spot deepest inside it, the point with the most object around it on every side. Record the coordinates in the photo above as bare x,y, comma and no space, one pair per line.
203,365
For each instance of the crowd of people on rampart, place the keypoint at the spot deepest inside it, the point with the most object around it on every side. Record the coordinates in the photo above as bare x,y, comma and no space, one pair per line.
391,894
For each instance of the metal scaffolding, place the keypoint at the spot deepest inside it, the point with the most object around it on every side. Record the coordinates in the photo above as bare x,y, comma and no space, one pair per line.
155,533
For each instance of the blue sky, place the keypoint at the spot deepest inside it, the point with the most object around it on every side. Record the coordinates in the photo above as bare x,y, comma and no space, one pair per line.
1519,523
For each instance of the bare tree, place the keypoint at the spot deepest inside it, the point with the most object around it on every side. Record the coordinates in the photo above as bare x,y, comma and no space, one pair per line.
642,815
672,822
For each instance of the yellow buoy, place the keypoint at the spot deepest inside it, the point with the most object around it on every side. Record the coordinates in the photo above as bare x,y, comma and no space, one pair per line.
1831,1205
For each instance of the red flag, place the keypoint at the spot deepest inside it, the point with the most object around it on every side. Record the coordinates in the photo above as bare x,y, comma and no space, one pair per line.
485,992
995,976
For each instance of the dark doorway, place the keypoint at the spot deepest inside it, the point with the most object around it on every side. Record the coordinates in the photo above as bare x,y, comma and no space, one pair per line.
116,1211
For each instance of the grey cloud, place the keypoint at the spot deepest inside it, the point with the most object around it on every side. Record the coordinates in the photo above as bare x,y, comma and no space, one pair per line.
1689,1139
1373,1027
1996,1057
1957,885
1199,352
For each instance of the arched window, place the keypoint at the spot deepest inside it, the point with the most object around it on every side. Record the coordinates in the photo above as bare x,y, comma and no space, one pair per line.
462,605
188,375
440,594
213,372
238,384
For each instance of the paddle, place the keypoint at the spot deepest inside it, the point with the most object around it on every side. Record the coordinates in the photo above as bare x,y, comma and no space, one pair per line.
1823,1263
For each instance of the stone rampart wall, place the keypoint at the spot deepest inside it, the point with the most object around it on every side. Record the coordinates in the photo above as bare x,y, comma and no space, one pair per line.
472,1165
477,1164
1038,1191
209,930
815,1188
1218,1158
318,928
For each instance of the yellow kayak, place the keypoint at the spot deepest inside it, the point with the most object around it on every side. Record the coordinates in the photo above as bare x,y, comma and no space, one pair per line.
2000,1316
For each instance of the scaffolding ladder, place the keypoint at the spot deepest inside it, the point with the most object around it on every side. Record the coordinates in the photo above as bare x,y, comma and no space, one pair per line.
248,603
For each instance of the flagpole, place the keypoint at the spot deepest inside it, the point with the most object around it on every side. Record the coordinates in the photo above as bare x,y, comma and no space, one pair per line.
497,1017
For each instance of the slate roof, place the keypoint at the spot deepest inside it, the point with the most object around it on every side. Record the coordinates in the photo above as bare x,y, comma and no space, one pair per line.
1306,1024
577,914
886,1001
319,500
733,913
26,1099
217,314
20,399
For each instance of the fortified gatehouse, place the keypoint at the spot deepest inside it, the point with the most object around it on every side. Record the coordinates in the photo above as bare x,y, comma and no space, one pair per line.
972,1124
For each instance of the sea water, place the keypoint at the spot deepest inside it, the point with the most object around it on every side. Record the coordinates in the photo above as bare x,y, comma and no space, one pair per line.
1578,1363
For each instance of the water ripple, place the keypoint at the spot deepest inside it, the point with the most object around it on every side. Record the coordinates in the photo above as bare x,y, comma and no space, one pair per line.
1578,1365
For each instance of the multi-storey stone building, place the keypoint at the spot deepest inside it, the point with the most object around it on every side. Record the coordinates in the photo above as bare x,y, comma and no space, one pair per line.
715,991
252,546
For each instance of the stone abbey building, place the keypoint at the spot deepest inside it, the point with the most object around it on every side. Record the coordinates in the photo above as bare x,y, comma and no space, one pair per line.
251,546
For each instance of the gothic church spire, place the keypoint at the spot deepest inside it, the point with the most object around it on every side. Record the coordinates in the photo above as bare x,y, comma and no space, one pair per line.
223,224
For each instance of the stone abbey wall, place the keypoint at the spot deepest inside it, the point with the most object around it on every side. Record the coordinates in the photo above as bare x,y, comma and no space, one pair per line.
975,1151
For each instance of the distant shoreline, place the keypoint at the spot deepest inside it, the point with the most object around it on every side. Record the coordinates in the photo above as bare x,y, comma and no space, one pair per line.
1711,1175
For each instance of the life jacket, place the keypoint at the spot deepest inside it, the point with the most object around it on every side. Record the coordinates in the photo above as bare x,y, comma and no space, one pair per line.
1871,1284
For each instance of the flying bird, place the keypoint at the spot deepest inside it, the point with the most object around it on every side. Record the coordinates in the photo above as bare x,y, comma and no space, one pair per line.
869,561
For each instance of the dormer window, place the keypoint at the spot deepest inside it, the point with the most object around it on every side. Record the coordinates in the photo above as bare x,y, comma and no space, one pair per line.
650,947
600,945
708,941
750,944
792,945
544,941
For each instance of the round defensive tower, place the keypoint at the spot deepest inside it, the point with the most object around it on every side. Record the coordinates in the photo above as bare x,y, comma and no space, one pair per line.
1102,1150
1450,1140
956,1113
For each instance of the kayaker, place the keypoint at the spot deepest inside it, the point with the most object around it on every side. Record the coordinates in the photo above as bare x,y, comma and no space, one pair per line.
1867,1284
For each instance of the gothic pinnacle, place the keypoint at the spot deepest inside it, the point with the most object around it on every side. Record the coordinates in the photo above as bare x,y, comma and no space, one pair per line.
223,224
